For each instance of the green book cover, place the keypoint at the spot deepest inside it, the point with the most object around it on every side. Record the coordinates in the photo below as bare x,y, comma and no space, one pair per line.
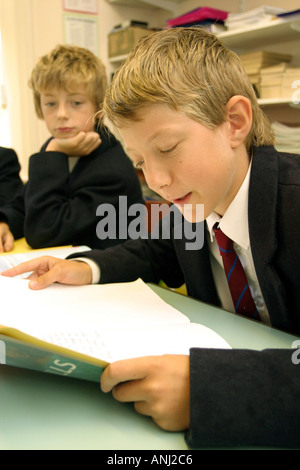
29,353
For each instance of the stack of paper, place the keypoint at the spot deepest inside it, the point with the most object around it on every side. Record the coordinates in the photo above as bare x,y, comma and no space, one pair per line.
260,15
279,81
287,138
292,14
271,80
254,62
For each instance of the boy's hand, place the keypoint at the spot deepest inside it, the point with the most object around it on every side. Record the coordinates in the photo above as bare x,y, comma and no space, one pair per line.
80,145
47,269
6,238
159,386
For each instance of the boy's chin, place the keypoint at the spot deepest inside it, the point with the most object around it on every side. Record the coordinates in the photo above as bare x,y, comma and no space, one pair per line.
192,213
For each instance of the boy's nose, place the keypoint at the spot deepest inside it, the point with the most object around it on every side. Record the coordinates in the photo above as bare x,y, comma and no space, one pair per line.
157,178
62,111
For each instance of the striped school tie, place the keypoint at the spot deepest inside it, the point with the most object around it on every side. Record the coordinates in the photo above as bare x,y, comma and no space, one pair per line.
236,278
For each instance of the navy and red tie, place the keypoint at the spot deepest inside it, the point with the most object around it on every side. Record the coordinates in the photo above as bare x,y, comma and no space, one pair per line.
236,277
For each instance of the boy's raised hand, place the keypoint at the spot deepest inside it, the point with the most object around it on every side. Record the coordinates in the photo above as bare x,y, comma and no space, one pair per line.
47,270
80,145
6,238
159,386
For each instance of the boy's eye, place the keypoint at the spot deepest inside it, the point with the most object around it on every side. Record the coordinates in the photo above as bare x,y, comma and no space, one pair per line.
77,103
169,150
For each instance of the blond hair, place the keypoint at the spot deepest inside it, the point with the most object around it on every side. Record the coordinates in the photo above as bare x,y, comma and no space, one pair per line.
66,67
189,70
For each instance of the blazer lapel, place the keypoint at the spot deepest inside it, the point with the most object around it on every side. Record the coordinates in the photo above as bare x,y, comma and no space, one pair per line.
262,213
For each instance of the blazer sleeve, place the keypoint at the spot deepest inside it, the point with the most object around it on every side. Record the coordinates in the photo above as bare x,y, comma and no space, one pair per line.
242,398
13,213
10,181
150,260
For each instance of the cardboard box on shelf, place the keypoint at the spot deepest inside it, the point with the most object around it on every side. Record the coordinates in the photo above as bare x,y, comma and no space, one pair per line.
121,42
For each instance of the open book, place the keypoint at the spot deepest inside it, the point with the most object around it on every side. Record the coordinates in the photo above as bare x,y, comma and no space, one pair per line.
77,330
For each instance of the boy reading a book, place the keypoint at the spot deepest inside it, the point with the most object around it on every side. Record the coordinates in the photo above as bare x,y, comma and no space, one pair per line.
186,114
80,167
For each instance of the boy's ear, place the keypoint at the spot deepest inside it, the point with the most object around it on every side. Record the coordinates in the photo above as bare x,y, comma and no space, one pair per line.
239,113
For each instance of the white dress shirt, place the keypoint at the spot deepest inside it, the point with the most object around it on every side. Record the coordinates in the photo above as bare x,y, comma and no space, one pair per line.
234,224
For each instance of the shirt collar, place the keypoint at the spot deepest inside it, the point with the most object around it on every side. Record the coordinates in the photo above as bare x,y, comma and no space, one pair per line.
234,222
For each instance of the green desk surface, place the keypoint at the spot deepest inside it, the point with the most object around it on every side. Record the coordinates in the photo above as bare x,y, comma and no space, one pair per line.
41,411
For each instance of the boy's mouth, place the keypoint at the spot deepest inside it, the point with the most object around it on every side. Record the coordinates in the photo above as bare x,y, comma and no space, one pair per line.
64,130
182,200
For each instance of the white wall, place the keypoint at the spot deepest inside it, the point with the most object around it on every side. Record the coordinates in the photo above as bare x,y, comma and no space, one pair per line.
17,52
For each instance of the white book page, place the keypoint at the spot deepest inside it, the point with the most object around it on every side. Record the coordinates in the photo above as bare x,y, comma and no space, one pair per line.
92,307
114,344
107,321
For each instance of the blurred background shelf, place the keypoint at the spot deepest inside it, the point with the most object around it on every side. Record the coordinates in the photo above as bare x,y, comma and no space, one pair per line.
170,5
277,31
